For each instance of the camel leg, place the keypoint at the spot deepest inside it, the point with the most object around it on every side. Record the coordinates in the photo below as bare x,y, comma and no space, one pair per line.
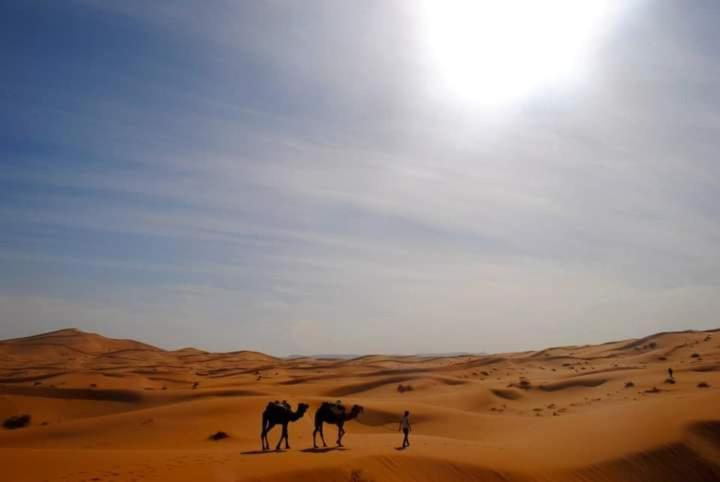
277,447
263,434
322,435
318,430
266,442
341,432
283,435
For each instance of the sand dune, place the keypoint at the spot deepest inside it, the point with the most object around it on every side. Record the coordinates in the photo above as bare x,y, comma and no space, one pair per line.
121,410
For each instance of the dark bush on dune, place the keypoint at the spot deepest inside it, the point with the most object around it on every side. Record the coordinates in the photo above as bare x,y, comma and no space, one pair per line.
703,385
405,388
695,355
18,421
523,384
219,436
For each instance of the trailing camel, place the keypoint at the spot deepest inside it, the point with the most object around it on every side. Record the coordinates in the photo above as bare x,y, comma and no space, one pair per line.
277,413
333,413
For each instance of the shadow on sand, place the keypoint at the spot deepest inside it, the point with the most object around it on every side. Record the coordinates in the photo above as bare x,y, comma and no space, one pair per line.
322,450
261,452
401,448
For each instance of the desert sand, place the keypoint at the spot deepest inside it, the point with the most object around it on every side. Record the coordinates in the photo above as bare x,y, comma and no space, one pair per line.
106,410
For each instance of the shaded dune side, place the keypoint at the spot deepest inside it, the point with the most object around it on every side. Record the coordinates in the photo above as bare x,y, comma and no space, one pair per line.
480,362
376,373
672,463
606,370
708,431
579,383
506,394
32,378
374,417
356,388
218,394
74,393
120,395
365,386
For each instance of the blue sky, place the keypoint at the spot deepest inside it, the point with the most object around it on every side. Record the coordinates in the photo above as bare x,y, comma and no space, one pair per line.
296,177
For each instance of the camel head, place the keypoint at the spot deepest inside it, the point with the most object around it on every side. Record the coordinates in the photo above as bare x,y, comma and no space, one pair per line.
355,411
302,408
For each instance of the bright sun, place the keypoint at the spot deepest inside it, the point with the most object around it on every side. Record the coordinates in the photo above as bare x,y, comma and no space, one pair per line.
498,51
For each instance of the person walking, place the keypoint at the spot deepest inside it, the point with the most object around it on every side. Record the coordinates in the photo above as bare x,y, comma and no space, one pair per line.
670,373
405,427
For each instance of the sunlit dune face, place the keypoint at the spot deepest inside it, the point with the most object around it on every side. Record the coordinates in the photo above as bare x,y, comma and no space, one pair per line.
497,51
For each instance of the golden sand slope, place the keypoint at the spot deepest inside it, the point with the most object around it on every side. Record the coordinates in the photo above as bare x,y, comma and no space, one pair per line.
119,410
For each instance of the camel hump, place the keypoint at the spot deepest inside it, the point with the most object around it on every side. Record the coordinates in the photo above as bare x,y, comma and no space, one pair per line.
336,407
279,405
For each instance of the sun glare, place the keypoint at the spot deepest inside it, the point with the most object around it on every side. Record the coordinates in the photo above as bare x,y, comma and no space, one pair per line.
495,52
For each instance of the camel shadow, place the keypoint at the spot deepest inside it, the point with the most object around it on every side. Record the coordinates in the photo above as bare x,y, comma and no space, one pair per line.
322,450
261,452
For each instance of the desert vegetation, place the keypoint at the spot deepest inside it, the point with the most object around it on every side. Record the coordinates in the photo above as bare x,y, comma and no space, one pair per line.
17,421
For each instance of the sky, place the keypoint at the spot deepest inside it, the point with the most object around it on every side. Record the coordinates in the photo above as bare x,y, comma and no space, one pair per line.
359,177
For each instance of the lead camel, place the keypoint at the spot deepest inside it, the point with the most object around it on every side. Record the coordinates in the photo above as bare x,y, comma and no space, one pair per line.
335,414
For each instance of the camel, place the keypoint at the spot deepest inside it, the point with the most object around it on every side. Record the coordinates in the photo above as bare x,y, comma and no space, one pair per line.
279,414
333,413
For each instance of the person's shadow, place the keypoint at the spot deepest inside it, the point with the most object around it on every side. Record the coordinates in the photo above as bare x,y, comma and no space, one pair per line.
401,448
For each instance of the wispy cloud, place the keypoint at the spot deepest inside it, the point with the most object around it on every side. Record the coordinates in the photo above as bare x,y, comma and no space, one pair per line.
283,177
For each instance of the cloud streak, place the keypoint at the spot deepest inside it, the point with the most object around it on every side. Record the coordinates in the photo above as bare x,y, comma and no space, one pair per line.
287,178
